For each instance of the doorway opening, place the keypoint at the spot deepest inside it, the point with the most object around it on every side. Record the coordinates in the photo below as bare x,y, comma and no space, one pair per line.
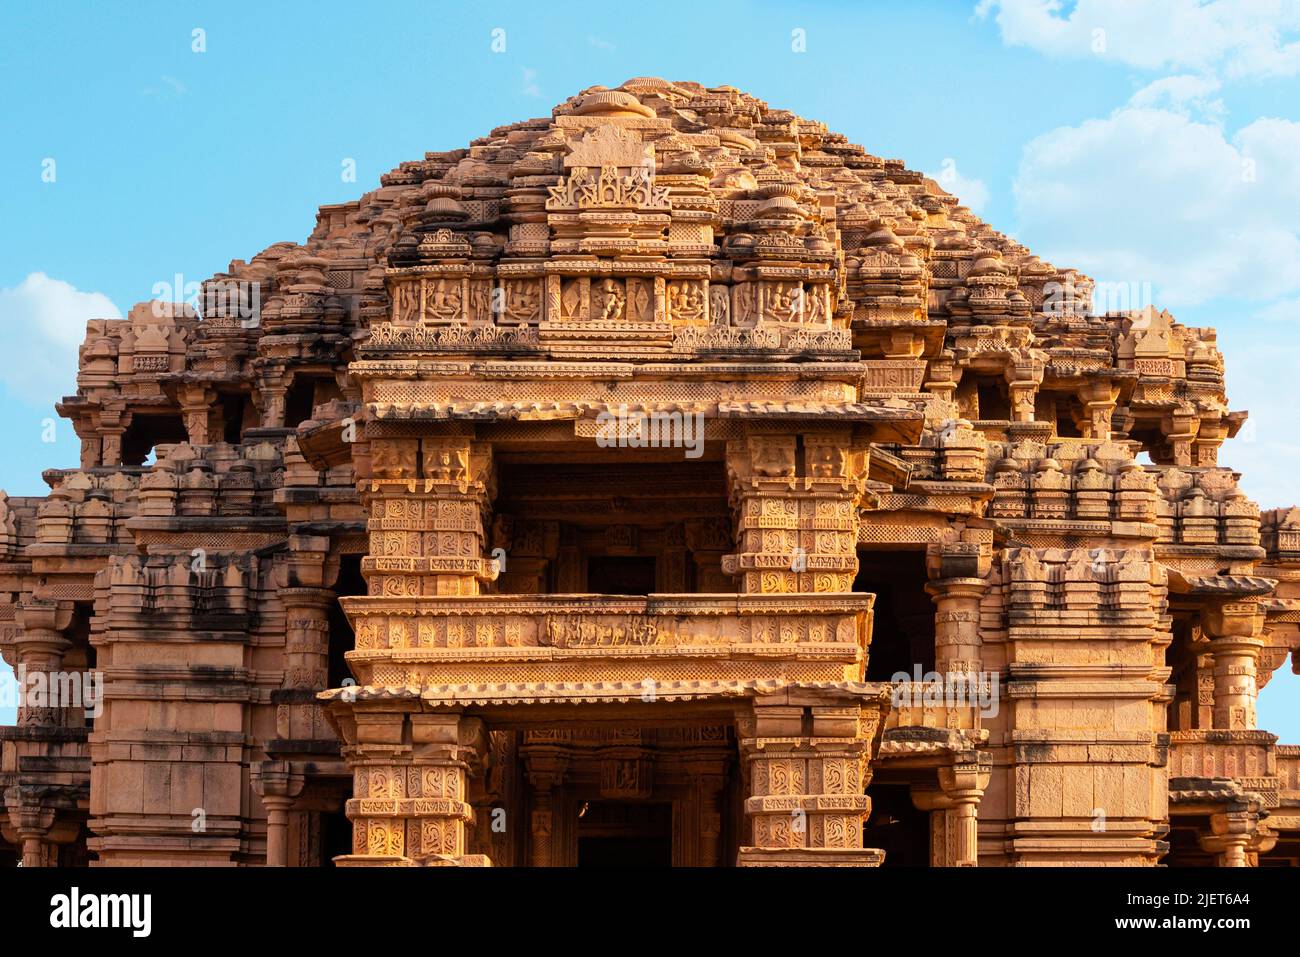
621,574
625,834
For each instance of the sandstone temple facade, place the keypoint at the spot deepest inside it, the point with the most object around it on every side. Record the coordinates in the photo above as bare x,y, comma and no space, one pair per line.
664,481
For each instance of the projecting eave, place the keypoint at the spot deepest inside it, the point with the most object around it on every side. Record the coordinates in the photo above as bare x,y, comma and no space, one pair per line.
872,423
1220,586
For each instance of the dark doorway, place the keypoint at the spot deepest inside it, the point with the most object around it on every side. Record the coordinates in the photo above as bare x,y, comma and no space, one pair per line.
902,636
897,826
305,394
335,836
342,639
621,575
625,834
993,399
147,431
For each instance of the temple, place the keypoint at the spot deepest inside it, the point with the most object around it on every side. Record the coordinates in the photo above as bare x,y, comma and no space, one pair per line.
666,481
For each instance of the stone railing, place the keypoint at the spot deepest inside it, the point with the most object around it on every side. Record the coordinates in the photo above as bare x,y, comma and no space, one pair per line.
653,640
1288,770
961,716
1247,757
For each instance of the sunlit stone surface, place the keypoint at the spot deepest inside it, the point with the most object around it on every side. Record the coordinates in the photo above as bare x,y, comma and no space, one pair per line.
667,480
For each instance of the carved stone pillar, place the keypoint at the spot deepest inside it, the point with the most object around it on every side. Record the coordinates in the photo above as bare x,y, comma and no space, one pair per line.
409,806
111,447
306,659
39,648
959,570
808,763
544,766
1236,639
940,378
708,540
1236,838
1181,427
92,450
32,818
304,578
447,748
796,527
1099,397
708,780
427,533
953,807
196,408
271,402
279,786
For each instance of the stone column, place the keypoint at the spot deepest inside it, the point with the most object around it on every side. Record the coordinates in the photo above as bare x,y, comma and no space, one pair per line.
1181,427
32,818
1099,397
427,534
1236,838
271,400
957,642
279,786
39,649
1236,640
111,447
953,807
410,772
544,766
958,571
196,409
446,747
306,658
797,526
92,451
809,766
707,780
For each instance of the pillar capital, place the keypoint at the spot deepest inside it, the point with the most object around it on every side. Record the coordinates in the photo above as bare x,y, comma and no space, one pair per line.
953,802
958,561
1237,836
1236,631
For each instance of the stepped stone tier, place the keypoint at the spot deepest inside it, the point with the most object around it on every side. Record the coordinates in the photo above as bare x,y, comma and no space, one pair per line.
663,481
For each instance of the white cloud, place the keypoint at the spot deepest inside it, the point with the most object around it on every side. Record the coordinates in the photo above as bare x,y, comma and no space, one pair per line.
1185,93
43,321
1283,310
530,82
1242,37
972,192
1156,196
171,88
600,43
1260,364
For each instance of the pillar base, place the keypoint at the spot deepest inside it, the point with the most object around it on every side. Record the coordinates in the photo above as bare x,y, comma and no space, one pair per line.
396,860
810,857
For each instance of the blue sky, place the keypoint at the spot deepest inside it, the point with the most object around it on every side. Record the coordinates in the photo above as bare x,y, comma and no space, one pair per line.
1152,144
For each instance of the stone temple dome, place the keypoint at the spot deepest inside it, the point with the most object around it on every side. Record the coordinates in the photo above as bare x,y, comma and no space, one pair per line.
677,479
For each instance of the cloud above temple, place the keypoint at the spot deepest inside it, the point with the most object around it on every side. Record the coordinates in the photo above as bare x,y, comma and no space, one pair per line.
1240,39
43,321
973,193
1150,195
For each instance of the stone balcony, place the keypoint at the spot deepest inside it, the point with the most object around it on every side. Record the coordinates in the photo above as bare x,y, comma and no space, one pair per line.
1249,757
651,641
